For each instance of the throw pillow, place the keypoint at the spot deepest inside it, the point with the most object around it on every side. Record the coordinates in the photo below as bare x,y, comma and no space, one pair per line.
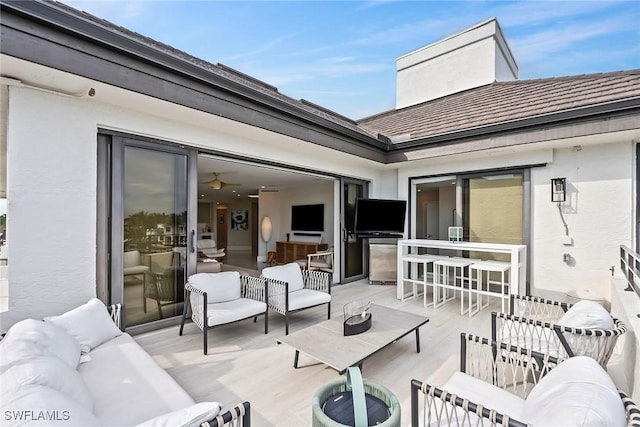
90,324
40,405
191,416
289,273
587,315
577,392
31,337
46,371
220,287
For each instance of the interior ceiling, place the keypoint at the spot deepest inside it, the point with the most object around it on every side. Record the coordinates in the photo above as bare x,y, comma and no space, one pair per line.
251,178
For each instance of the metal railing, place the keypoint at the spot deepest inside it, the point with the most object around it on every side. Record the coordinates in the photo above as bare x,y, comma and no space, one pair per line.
630,265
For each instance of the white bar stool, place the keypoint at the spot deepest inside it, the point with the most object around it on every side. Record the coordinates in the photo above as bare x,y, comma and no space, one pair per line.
423,260
488,267
441,269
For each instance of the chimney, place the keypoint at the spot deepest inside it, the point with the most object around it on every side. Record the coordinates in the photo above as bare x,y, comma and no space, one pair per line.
474,57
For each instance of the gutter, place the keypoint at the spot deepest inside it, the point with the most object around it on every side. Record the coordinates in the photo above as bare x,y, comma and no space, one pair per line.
539,121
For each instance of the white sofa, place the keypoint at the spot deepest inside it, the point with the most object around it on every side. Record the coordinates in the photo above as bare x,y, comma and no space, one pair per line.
80,369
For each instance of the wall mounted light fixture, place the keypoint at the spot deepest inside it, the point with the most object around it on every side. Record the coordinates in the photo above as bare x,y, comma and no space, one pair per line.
558,189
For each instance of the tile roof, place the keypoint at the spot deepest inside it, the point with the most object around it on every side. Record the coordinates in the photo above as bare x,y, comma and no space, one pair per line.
502,102
220,70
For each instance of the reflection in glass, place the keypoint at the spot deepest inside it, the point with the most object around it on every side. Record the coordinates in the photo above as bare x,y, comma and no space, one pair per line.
493,207
354,247
155,234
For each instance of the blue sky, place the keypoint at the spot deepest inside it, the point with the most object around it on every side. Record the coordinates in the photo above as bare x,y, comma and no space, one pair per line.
341,54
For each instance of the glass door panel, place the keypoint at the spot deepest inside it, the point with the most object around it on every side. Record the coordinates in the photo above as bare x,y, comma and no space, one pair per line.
154,202
353,247
493,209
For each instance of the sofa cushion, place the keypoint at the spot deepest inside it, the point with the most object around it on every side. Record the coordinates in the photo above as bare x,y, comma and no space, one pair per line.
46,371
230,311
127,386
578,392
587,315
220,287
190,416
289,273
307,298
37,405
31,337
90,324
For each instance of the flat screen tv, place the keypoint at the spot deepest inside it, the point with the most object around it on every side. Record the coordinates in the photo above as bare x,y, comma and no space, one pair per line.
380,217
307,217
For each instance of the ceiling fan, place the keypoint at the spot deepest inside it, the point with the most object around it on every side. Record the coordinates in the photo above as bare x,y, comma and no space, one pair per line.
216,184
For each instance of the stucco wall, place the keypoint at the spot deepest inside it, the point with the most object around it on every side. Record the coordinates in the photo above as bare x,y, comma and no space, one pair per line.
598,212
599,209
52,152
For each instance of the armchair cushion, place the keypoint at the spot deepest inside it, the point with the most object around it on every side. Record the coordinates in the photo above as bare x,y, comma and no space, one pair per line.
89,323
131,259
31,337
220,287
231,311
484,393
289,273
587,315
307,298
578,390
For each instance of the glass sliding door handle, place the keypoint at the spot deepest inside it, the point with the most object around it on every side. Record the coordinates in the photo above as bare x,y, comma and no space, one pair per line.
193,241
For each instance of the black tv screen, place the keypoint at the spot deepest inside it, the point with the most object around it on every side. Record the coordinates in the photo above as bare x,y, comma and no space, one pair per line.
307,217
379,216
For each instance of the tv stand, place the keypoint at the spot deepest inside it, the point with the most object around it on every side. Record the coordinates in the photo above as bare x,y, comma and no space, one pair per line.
287,252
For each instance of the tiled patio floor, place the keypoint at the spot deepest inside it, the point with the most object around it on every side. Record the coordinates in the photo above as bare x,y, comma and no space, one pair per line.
245,364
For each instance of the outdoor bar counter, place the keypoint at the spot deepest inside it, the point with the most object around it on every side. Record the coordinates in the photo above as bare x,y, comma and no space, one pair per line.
517,255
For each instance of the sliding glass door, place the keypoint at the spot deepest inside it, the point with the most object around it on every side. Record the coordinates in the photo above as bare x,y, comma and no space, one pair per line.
152,228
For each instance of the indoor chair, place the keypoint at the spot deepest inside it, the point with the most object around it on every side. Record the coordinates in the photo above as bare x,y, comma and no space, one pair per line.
322,261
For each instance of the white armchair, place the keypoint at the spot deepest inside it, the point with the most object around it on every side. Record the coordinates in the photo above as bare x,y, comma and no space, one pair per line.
292,290
216,299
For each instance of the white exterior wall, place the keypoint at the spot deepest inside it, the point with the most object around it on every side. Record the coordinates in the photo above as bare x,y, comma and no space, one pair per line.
599,212
599,209
52,155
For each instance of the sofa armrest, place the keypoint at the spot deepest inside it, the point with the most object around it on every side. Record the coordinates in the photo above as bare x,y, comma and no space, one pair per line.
241,411
116,311
254,288
317,280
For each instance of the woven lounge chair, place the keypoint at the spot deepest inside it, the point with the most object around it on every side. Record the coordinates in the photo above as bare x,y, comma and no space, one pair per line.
557,328
492,389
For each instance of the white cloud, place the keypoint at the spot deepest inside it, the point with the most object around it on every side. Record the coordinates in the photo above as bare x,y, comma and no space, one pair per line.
262,49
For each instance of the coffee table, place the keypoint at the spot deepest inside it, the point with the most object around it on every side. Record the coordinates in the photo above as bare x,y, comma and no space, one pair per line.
326,342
